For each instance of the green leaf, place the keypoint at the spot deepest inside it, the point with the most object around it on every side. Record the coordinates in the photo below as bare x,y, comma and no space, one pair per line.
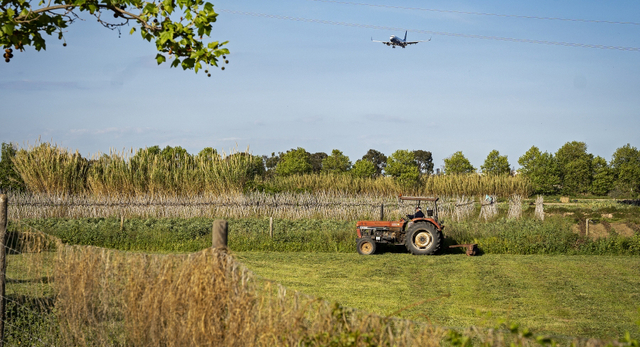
188,63
168,6
160,58
151,8
165,36
175,63
133,30
208,7
8,29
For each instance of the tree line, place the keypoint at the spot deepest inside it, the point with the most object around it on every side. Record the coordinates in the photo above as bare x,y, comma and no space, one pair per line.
569,171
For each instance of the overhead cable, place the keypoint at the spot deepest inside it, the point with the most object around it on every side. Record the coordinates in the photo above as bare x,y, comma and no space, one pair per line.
429,32
479,13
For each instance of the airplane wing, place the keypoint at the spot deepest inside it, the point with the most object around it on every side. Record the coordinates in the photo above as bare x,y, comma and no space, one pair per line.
385,42
414,42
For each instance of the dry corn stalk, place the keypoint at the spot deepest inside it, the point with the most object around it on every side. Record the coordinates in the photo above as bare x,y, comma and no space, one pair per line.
515,207
539,213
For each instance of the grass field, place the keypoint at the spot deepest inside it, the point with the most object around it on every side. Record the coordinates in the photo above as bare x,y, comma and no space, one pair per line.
583,296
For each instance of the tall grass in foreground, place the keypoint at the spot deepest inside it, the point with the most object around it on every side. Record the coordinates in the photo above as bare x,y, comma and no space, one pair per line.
209,299
49,169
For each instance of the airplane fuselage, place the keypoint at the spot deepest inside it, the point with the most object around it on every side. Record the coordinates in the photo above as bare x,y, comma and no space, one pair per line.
397,41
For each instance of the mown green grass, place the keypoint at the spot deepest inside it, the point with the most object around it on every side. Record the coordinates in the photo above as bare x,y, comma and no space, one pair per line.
584,296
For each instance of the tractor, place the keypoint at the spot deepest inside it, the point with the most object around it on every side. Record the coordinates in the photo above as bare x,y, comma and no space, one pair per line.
422,235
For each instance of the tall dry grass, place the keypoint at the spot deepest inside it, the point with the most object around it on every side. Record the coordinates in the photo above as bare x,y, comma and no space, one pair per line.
108,298
49,169
146,173
438,185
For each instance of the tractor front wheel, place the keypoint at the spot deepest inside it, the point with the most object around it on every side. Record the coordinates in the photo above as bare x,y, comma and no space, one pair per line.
423,238
366,246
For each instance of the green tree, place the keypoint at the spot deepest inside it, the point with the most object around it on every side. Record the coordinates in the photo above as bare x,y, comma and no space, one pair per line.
336,162
23,24
603,177
271,162
208,154
424,160
457,163
625,164
9,177
541,169
496,164
575,164
294,162
403,167
378,159
363,169
316,161
174,154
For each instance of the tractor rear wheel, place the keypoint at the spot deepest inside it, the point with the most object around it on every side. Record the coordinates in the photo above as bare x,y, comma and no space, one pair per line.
423,238
366,246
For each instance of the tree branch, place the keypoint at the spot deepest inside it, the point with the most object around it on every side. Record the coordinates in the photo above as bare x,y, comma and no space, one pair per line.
69,8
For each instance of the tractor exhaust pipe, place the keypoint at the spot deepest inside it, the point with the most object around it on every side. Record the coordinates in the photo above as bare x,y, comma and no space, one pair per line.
382,211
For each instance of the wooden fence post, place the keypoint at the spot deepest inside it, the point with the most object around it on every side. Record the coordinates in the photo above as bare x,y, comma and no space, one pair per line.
219,232
3,261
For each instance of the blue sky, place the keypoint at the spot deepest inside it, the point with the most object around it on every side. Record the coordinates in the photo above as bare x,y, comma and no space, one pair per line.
304,84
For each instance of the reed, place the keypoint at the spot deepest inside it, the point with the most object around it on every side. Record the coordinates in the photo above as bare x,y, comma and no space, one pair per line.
49,169
146,173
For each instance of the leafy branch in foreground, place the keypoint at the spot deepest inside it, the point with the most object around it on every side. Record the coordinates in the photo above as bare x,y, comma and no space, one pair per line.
176,26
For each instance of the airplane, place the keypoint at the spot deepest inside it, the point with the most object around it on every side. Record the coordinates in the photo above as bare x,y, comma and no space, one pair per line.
396,41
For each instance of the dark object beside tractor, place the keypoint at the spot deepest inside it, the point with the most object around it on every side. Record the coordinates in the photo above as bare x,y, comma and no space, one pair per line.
419,235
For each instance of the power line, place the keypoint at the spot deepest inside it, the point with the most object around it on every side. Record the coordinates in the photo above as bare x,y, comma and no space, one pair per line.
429,32
480,13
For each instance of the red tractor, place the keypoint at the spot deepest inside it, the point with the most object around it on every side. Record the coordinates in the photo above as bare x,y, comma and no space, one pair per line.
420,234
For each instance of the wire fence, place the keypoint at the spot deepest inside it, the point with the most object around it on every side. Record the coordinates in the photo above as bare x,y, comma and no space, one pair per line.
282,205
